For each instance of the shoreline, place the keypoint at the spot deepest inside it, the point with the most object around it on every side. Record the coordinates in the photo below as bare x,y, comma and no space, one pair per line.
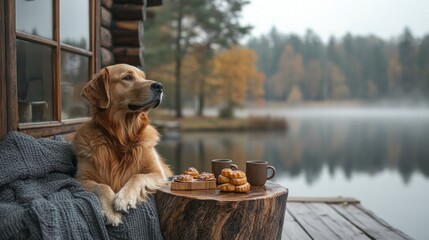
253,123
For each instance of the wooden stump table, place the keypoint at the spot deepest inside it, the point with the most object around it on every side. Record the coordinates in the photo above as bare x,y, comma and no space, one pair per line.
211,214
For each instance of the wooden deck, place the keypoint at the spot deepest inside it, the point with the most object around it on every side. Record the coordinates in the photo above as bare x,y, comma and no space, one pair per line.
334,218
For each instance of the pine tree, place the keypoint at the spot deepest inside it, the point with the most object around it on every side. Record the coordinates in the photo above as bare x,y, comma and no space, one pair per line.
407,58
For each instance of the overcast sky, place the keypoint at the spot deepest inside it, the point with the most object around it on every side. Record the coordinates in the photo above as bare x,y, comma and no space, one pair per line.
383,18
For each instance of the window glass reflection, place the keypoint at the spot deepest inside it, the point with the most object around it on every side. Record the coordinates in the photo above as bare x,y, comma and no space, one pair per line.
35,17
74,23
35,82
74,75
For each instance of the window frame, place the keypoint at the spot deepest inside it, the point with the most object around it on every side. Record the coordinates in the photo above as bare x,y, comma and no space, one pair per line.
3,92
58,125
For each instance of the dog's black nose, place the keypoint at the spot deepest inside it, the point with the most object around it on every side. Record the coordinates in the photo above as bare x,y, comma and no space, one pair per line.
157,87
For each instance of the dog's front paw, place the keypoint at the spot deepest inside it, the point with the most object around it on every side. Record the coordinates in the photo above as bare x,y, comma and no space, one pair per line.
113,218
125,199
106,196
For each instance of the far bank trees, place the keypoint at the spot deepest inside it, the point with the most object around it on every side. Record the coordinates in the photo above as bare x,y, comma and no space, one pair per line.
348,68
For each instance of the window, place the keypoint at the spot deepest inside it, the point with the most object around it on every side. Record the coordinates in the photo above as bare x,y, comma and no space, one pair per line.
54,59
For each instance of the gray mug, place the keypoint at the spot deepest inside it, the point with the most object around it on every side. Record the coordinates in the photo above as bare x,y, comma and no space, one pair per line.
257,171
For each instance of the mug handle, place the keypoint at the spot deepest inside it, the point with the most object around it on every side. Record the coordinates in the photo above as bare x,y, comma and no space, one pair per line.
273,171
234,167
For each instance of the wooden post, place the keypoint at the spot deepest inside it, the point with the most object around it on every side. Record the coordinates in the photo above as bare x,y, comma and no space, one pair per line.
211,214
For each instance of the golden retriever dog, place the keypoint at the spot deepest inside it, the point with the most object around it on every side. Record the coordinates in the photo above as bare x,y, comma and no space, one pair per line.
115,149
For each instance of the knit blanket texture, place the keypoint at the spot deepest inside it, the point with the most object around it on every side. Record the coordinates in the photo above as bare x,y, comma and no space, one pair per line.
40,199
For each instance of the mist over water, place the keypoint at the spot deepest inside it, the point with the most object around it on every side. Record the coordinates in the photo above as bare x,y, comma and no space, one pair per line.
377,155
383,113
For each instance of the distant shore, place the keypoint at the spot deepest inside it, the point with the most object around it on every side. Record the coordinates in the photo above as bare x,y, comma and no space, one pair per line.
274,116
253,123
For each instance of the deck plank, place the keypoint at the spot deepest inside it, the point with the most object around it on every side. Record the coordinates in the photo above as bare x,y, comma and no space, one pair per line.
367,223
292,230
337,223
371,214
311,222
323,199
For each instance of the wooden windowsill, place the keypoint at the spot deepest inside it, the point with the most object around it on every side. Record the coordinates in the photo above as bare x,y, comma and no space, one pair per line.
48,129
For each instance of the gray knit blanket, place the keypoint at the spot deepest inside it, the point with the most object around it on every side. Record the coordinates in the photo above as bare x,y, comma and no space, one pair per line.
40,199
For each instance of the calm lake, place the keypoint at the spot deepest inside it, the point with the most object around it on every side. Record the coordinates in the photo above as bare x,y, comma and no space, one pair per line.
380,157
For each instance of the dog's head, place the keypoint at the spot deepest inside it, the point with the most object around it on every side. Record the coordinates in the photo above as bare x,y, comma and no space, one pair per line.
124,88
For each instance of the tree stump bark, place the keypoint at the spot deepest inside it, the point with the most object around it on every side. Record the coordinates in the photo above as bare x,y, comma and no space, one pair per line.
211,214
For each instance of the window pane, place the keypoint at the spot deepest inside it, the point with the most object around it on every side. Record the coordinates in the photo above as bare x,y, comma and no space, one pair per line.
35,17
35,82
74,23
74,75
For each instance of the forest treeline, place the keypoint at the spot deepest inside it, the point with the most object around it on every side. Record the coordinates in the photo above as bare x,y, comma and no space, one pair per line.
352,67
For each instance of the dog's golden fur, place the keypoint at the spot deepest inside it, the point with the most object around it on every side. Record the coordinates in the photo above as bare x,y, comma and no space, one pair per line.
116,152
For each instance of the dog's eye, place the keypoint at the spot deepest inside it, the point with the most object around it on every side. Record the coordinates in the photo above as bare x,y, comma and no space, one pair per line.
128,78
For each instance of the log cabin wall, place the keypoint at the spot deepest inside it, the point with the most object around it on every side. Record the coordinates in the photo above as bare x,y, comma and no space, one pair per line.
121,31
105,33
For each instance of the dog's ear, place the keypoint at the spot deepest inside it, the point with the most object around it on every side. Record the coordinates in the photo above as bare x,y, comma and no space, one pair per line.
96,90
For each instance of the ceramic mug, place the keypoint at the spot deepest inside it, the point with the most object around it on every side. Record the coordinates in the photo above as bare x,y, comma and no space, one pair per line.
39,110
25,112
256,172
219,164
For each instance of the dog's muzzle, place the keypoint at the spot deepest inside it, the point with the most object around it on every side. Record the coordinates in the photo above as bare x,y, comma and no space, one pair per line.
157,90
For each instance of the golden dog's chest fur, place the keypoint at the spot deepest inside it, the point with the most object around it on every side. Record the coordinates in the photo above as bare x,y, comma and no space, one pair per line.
111,162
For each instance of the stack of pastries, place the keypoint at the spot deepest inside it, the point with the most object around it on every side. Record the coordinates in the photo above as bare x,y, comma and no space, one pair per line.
192,173
233,181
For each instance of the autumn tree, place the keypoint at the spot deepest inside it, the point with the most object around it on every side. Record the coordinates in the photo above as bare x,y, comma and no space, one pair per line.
339,88
295,95
290,73
236,75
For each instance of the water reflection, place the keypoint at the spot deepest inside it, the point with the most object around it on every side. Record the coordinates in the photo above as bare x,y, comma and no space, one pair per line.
378,157
351,145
